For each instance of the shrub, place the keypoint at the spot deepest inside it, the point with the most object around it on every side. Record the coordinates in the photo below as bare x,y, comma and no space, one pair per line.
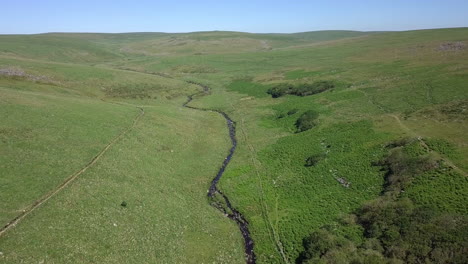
280,90
394,228
313,160
306,121
400,142
300,89
314,88
401,167
317,244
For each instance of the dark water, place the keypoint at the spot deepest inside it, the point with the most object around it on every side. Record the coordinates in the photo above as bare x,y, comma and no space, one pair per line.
233,214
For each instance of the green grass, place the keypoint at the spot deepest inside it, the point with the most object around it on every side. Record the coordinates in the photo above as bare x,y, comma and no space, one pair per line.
51,130
167,217
389,85
46,138
443,190
54,47
249,88
299,74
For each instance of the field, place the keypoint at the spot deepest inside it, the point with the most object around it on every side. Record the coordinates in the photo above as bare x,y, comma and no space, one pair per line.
65,98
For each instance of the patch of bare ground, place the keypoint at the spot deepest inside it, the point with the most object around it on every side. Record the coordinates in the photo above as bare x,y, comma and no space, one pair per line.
14,72
452,46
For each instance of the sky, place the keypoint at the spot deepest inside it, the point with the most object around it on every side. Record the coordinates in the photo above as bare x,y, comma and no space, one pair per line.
256,16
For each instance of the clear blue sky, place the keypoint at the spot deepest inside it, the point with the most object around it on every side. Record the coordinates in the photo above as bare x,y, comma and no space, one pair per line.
38,16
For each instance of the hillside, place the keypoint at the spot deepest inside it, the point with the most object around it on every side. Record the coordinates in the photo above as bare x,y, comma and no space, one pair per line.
102,162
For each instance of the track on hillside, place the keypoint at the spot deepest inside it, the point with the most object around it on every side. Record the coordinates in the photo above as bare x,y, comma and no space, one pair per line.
12,223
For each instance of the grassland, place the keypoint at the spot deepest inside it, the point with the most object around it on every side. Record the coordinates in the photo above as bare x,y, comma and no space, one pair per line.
52,129
387,86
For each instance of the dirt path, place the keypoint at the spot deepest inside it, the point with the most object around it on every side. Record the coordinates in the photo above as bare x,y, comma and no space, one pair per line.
70,179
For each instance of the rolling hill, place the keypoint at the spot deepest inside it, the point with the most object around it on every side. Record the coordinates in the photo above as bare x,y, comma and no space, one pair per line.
100,160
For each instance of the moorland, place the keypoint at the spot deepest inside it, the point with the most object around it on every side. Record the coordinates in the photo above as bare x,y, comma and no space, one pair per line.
350,147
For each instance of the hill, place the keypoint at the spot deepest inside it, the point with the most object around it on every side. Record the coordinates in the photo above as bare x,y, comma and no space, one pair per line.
365,124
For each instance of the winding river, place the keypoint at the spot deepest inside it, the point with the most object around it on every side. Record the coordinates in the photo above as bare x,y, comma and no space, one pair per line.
231,212
226,207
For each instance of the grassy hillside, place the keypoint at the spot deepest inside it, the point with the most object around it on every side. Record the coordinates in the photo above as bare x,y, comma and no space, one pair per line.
54,47
65,96
57,118
201,43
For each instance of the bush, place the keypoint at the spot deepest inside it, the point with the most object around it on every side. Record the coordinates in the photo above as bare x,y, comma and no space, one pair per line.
394,228
280,90
402,166
317,244
300,89
313,160
400,142
314,88
306,121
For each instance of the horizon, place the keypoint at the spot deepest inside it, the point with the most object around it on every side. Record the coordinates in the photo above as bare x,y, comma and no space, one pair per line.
260,16
288,133
232,31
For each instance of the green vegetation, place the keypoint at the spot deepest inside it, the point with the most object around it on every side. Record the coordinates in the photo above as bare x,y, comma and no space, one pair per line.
136,91
144,199
301,89
394,228
292,112
443,147
139,199
306,121
248,87
313,160
298,74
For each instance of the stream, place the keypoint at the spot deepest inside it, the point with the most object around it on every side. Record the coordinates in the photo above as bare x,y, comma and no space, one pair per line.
227,208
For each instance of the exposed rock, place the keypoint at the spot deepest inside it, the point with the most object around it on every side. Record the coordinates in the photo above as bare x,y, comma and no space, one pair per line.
343,182
16,72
